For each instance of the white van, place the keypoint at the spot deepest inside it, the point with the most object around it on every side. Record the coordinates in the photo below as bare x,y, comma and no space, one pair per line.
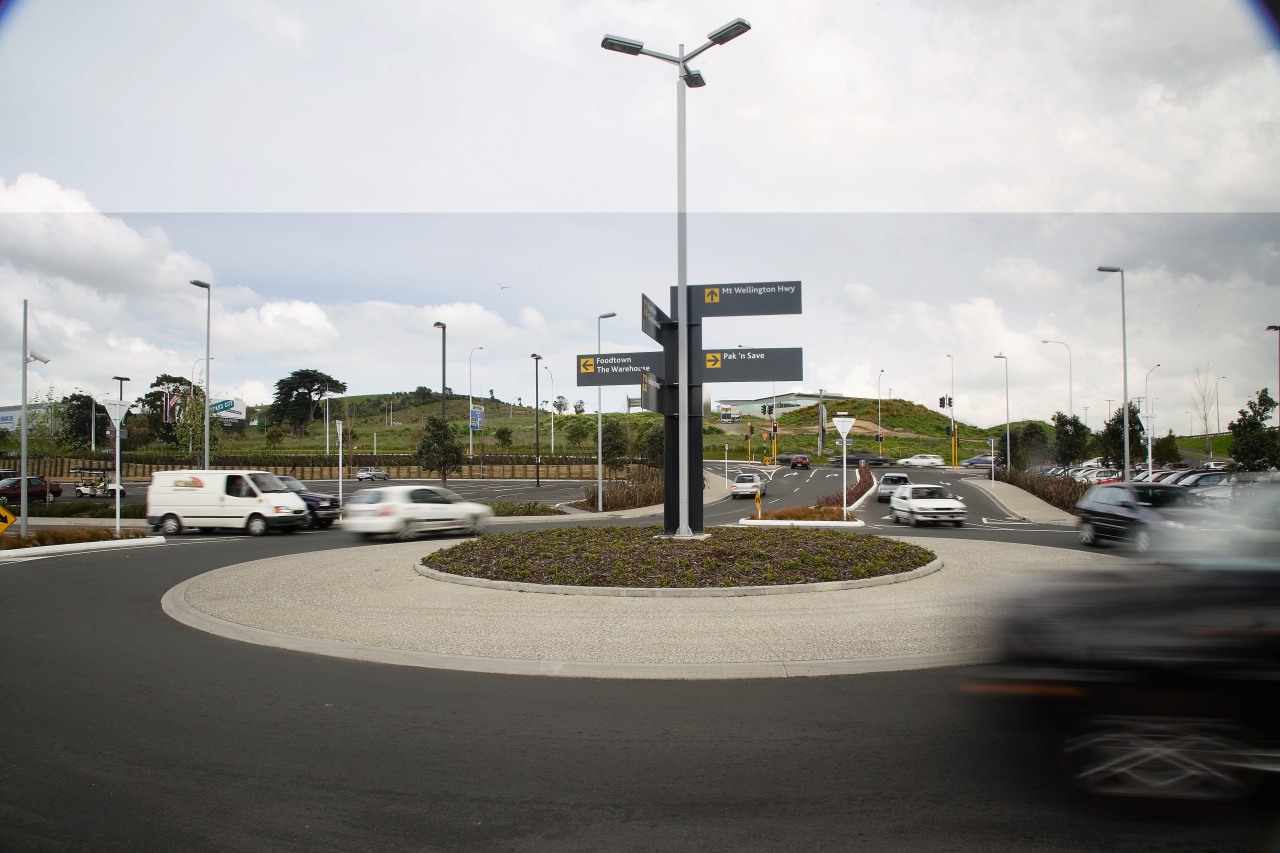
253,501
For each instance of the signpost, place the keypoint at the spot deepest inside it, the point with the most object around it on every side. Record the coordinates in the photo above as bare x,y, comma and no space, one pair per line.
7,518
844,423
746,300
779,364
116,411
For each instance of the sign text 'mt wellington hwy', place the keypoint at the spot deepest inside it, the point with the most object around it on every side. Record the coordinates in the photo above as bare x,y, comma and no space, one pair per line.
746,300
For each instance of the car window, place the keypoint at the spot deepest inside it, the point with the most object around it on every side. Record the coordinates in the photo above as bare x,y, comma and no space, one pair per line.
428,496
745,478
930,494
238,487
267,482
366,496
1163,497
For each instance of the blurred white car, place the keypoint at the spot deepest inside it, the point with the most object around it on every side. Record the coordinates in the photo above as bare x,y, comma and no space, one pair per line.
408,510
747,485
917,504
923,460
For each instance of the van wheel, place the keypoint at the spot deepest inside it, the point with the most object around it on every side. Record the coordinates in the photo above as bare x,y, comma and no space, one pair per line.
256,526
312,522
170,525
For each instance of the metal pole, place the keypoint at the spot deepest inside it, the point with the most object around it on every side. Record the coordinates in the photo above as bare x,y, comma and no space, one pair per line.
1124,366
1146,399
26,358
682,300
537,424
951,404
470,406
879,431
600,425
553,408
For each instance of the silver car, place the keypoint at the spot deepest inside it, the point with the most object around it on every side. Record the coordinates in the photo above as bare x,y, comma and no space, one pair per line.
917,504
371,474
405,511
889,484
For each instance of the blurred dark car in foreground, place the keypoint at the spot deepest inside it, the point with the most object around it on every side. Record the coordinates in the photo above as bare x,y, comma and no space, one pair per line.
1147,516
1162,680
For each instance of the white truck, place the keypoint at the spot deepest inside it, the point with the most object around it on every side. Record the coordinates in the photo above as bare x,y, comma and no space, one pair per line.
252,501
730,415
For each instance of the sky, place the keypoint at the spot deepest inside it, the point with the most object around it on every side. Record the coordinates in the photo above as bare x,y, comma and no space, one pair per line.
943,179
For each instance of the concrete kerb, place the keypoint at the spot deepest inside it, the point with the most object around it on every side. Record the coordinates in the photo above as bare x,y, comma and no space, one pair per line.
17,555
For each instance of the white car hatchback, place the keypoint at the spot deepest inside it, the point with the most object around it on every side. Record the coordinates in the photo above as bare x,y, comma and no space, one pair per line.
747,485
917,504
405,511
923,460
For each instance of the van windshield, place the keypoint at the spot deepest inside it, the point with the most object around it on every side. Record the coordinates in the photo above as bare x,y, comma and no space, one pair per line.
267,482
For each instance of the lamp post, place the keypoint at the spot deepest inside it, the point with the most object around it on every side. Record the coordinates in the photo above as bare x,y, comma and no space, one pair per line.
951,405
208,365
1217,415
553,408
687,77
1070,405
443,383
1146,397
470,406
28,356
1008,443
879,435
600,425
1124,367
537,424
1276,329
191,439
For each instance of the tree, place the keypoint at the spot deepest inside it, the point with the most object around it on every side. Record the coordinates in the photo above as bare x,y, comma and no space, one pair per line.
613,442
297,396
1112,443
491,397
78,422
1030,445
560,404
162,424
1203,398
274,436
1254,446
577,430
440,450
1070,439
1164,451
502,435
579,407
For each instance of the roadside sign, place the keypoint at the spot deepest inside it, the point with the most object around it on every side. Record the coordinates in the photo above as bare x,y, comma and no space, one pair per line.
649,392
618,368
6,518
745,364
652,319
757,504
477,418
222,406
116,409
111,433
844,425
844,442
744,300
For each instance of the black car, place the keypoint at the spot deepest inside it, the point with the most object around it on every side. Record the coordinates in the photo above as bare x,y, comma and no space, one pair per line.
1158,681
1147,516
322,509
863,457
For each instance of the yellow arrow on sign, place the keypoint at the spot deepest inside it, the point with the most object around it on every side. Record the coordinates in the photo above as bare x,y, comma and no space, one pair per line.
586,365
710,294
757,504
713,359
6,518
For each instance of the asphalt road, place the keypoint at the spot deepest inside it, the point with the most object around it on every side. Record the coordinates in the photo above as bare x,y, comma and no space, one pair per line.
125,730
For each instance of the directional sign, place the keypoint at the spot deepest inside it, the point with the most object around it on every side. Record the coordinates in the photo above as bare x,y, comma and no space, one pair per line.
649,392
618,368
6,519
742,300
750,365
844,424
844,442
652,319
477,418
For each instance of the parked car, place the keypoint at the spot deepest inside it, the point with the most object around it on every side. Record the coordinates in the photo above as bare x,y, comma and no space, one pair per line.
38,489
800,461
986,460
747,485
405,511
863,457
1178,476
1160,681
918,504
1146,515
889,484
787,457
923,460
1099,475
1203,478
371,474
322,510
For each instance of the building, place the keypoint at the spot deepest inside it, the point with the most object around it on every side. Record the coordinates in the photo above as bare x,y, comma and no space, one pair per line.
785,402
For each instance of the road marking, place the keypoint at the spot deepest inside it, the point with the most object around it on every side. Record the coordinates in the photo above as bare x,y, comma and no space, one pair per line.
1003,521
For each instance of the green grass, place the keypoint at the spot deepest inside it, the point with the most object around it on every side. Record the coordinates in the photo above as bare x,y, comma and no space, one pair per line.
639,557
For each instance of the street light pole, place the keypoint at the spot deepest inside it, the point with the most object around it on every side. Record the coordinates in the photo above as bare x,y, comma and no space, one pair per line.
879,434
537,423
1217,415
553,408
951,404
443,382
470,407
1070,405
687,78
600,424
1008,442
208,362
1276,329
1124,367
1146,399
28,356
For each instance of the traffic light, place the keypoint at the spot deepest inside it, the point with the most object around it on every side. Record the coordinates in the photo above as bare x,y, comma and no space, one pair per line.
751,429
880,438
950,430
942,402
768,409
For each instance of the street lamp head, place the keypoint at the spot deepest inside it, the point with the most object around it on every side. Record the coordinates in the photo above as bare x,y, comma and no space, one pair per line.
35,356
728,32
692,78
438,325
1110,269
121,378
198,283
631,47
1001,355
535,355
1273,328
607,316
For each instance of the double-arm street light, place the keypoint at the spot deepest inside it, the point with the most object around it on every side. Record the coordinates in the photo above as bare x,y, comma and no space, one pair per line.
470,406
1008,441
537,423
208,364
1070,405
443,382
1124,368
686,77
600,425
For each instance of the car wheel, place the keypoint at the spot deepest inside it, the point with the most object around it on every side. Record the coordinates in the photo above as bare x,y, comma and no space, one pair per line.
1088,536
913,519
48,497
893,514
312,522
170,525
256,525
1158,757
324,523
4,501
959,524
